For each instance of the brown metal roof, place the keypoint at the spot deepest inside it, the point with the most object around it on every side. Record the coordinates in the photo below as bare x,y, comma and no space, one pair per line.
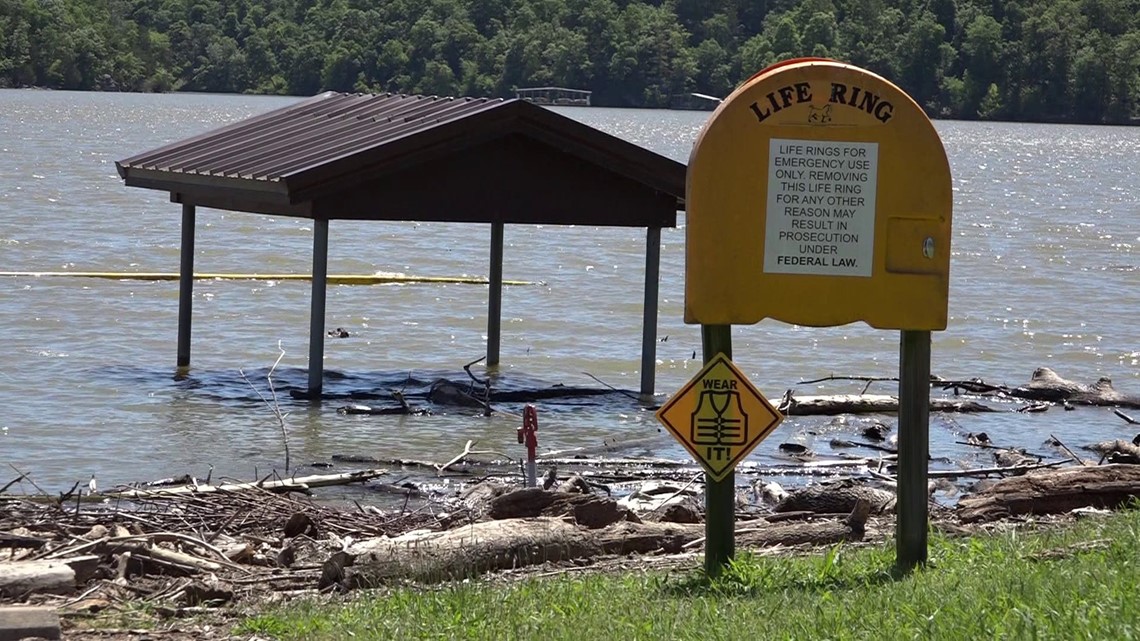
399,157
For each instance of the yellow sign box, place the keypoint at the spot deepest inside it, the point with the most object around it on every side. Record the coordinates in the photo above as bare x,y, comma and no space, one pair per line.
719,417
818,194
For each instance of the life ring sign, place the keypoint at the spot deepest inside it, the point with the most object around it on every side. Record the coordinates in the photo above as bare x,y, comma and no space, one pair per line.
818,194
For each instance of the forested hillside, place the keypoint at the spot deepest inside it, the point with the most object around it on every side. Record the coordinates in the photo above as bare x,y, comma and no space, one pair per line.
1037,60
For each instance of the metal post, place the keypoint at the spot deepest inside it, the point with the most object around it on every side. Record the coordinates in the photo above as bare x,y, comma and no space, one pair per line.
528,435
914,449
186,285
720,496
317,307
495,295
649,311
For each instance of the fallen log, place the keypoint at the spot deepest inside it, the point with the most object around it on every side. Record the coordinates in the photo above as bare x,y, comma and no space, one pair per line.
590,510
497,545
1053,492
9,540
831,405
371,410
838,496
849,528
293,484
50,577
1047,385
513,543
1118,451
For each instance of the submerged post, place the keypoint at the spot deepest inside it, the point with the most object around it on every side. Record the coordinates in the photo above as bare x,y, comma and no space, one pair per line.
186,285
914,449
649,311
317,307
495,295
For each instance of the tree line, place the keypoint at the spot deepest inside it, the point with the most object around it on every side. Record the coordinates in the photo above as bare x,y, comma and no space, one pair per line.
1032,60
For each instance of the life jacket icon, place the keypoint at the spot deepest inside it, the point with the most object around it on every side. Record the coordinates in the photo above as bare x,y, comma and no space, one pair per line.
719,419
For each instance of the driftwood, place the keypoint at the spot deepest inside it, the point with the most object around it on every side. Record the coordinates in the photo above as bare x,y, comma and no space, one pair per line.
370,410
610,444
1127,419
589,510
1053,492
1046,385
867,404
837,496
1117,451
848,528
55,577
512,543
495,545
292,484
986,471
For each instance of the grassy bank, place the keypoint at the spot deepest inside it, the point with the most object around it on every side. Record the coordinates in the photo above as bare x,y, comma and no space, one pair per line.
1078,582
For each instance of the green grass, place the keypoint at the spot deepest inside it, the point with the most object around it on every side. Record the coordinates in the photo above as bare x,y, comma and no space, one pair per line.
989,587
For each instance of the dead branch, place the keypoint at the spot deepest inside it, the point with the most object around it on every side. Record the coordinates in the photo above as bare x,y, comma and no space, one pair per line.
486,383
619,391
29,480
1067,450
275,406
867,404
868,379
462,455
986,471
299,483
11,483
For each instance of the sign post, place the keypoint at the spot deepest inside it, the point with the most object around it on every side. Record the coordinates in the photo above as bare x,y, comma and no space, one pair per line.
819,194
914,443
720,496
719,416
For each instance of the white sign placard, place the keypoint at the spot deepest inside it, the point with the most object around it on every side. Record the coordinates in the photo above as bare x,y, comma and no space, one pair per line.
821,207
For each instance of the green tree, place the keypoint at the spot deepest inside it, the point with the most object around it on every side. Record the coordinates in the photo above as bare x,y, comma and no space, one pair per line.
982,52
923,59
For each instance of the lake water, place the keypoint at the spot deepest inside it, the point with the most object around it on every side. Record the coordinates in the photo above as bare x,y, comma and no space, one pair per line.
1045,272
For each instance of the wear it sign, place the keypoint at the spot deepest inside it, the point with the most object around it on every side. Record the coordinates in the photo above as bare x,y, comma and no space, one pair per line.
719,416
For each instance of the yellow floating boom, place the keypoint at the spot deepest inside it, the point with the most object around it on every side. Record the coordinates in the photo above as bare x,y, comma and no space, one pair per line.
332,279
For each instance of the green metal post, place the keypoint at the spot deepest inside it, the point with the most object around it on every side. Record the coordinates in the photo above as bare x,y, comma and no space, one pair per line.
720,496
914,449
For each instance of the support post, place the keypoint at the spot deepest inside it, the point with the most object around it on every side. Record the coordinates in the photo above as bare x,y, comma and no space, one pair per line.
317,307
649,311
495,295
186,285
720,496
914,449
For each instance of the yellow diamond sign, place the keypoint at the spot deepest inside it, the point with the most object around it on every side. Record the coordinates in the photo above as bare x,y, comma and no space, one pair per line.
719,416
